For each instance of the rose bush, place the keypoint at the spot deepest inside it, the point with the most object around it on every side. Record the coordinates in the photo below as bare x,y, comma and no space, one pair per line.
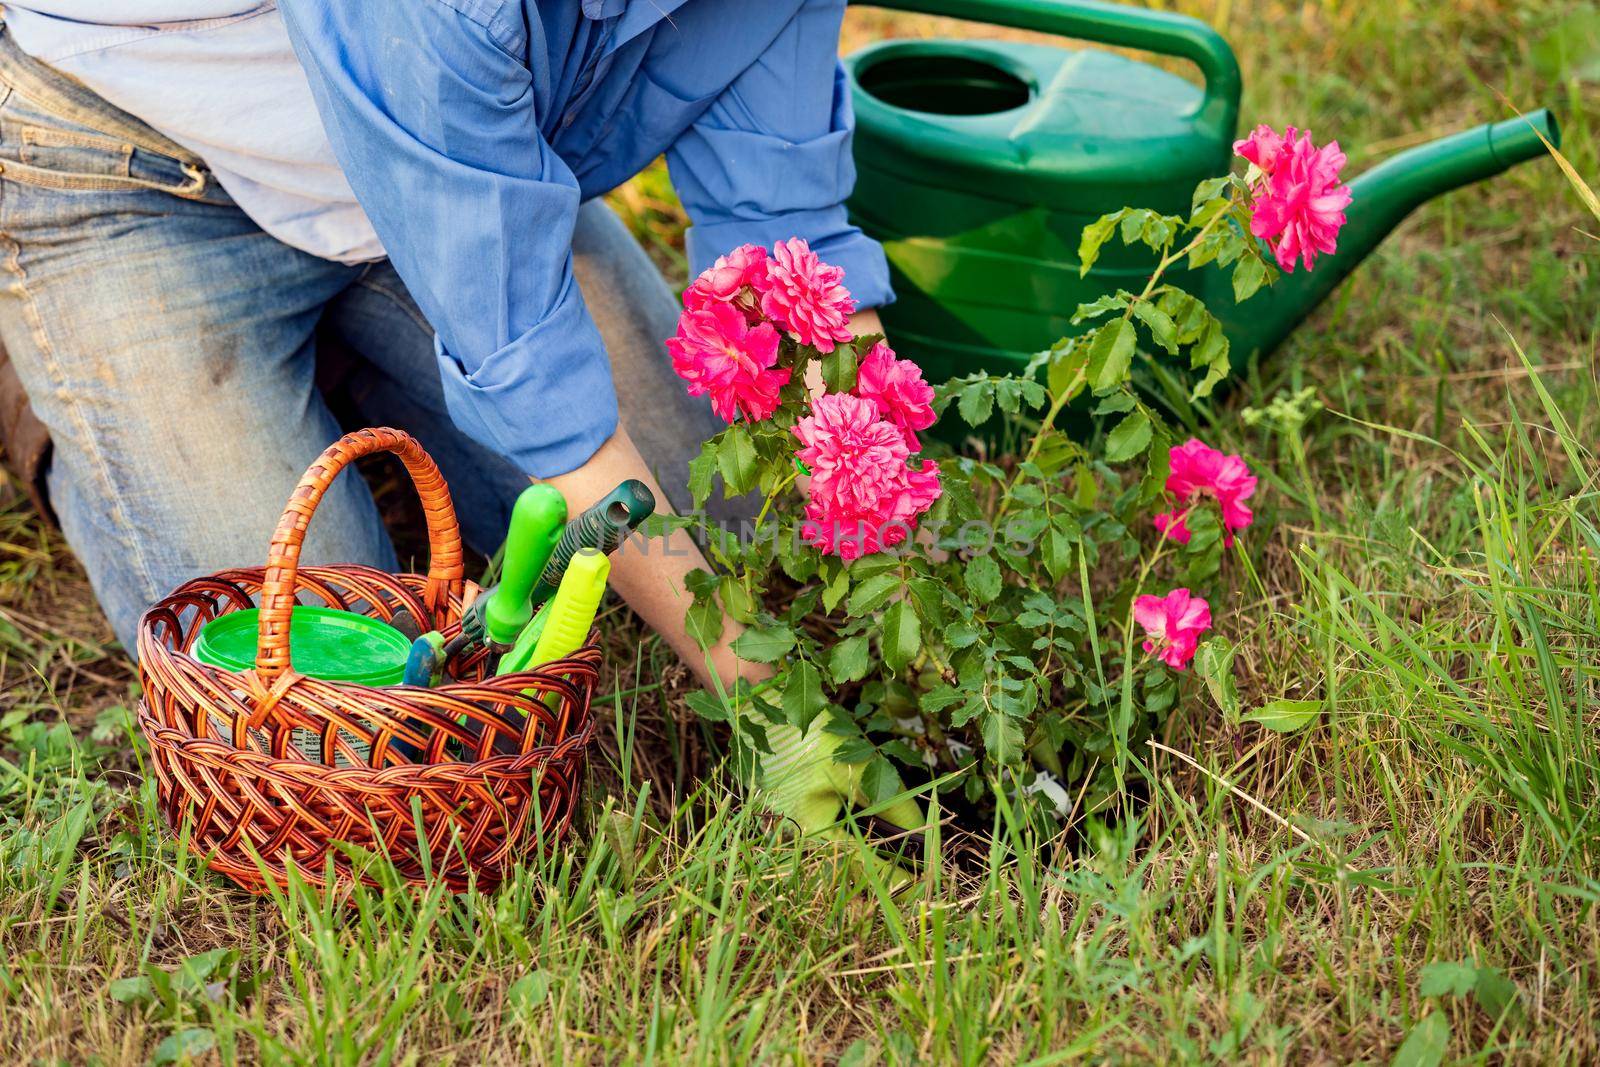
1019,624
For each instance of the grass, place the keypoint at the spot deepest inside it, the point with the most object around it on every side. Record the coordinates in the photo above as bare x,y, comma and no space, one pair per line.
1414,878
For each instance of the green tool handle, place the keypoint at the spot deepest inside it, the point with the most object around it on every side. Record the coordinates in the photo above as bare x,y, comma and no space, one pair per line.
602,527
536,527
572,610
1114,24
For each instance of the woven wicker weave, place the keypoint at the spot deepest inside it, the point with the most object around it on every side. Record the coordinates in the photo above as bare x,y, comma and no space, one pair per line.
447,782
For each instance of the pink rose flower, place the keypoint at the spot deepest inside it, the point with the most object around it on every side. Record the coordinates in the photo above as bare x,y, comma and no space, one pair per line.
717,352
1299,203
863,496
806,296
897,389
1198,470
1264,147
736,278
1174,623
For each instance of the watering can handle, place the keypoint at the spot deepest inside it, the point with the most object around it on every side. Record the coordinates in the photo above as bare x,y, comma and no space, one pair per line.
1117,25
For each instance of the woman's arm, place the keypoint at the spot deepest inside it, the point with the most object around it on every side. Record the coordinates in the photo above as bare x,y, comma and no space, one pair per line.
650,574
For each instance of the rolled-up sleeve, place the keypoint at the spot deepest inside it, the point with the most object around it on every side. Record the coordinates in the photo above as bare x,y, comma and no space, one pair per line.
770,158
432,118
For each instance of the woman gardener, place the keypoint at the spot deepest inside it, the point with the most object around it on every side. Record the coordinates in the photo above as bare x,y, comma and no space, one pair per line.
199,197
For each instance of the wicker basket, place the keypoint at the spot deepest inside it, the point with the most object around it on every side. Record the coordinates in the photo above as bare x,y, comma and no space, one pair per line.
451,782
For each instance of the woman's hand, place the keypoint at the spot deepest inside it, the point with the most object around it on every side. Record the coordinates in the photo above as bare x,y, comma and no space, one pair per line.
650,573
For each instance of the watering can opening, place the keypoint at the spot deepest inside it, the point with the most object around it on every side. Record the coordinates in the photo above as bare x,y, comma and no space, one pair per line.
942,83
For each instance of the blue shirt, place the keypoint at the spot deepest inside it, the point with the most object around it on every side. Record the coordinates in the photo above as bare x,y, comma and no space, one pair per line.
471,130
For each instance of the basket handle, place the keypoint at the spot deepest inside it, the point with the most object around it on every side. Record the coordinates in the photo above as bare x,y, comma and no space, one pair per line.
445,564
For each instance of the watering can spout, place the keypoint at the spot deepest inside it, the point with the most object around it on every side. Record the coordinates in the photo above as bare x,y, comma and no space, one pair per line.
1381,199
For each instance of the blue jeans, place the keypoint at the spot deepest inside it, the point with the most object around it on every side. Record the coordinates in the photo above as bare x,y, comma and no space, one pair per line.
170,347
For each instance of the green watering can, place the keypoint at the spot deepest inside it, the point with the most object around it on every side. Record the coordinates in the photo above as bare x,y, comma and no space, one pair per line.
979,163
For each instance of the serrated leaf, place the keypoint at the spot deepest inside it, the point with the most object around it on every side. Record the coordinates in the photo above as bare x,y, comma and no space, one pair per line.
1111,355
1207,190
872,594
1095,235
901,636
1159,323
1129,438
1116,403
1057,554
1211,352
701,470
839,369
1286,716
836,588
1002,738
707,705
703,621
1247,278
802,695
940,697
976,403
983,578
736,459
850,659
764,645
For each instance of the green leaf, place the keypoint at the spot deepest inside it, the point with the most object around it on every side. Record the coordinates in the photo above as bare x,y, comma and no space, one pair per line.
1448,978
880,782
527,994
1111,355
850,659
703,621
901,637
736,458
1213,662
1066,374
764,645
1116,403
976,403
1426,1044
1095,235
802,695
1211,352
701,469
836,588
1057,553
1497,995
1130,437
185,1045
1207,190
132,990
1247,278
983,578
873,594
1286,716
1002,738
940,697
839,369
708,706
1159,323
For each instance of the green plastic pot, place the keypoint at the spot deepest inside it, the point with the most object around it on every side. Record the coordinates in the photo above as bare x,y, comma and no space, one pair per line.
324,643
